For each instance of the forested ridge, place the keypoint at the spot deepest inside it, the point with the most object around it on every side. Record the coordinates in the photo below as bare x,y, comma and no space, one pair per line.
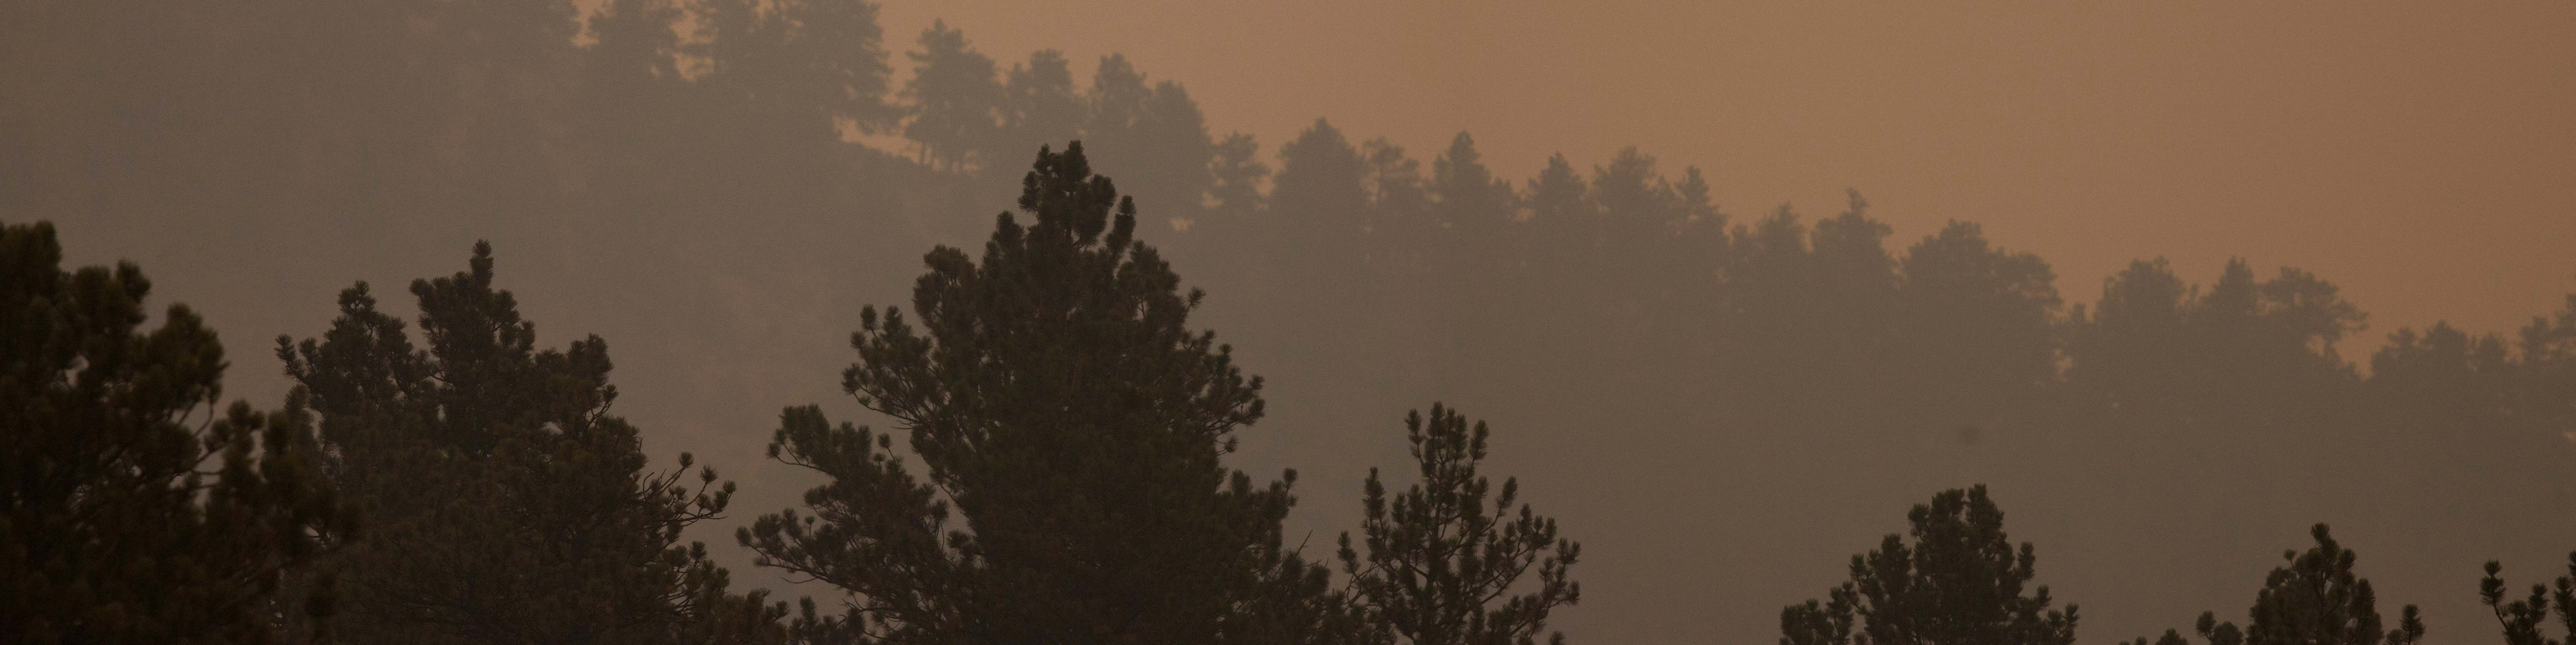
720,186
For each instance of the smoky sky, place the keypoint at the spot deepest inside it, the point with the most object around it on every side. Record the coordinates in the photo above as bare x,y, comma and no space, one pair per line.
2422,156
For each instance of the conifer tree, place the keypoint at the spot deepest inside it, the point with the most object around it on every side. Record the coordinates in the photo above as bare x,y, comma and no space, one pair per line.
1154,134
2522,619
1320,196
1983,320
957,102
1075,424
1564,232
1468,197
2315,599
1319,221
510,506
1041,104
1959,583
131,511
1557,196
1237,174
1172,153
802,66
2125,349
2547,394
1441,566
1476,267
2211,632
1399,203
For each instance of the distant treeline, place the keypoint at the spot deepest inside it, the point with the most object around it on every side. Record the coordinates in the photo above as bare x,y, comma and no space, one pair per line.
648,130
707,153
1073,426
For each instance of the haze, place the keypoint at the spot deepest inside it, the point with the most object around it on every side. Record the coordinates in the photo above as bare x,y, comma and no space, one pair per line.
2419,157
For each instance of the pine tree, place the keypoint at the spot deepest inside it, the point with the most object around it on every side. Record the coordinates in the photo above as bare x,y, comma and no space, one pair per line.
1632,270
2547,391
1170,151
2522,619
1559,253
803,67
2211,632
630,94
1068,415
1237,174
131,511
1154,134
1561,213
2127,349
1319,229
509,505
2315,599
1399,202
1441,566
1321,193
1959,583
1982,341
631,72
1468,197
1958,274
1041,105
957,102
1637,202
1469,275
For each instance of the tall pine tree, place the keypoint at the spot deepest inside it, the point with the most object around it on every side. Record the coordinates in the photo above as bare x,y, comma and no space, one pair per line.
2314,599
131,511
1959,583
1075,424
2522,619
1441,565
957,102
509,505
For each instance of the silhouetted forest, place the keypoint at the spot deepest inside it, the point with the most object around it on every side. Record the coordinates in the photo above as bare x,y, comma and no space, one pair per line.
1721,402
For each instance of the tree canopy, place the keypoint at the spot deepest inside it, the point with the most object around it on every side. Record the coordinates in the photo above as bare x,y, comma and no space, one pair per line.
1959,581
132,510
1072,420
507,503
1441,565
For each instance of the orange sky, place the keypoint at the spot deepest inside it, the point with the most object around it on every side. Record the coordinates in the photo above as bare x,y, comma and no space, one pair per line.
2421,155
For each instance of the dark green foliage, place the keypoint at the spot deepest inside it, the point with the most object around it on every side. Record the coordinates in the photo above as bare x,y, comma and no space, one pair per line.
1072,420
1441,566
131,510
2522,619
509,505
2314,600
1960,582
